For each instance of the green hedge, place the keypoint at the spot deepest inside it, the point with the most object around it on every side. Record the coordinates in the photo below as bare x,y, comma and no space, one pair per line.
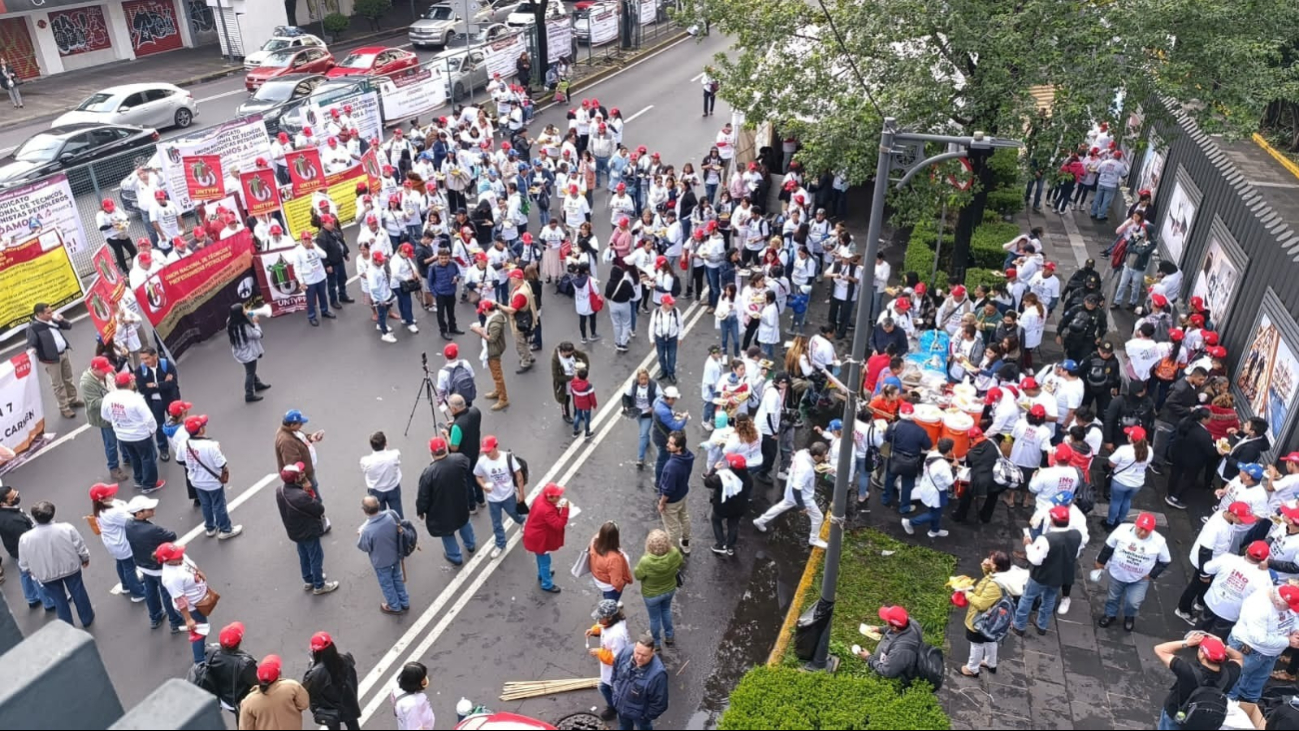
986,243
784,698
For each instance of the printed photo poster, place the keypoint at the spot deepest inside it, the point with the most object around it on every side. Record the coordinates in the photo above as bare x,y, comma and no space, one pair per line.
39,207
373,172
1178,219
1152,166
1216,279
305,171
261,192
189,300
237,144
37,270
203,178
604,24
1267,375
278,281
366,114
22,413
559,41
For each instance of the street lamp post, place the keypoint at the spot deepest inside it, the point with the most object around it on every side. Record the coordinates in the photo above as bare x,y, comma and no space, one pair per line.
901,151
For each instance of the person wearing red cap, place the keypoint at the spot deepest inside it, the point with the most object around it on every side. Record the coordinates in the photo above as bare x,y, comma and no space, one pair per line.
303,516
1221,531
543,532
332,685
115,224
955,306
1032,439
206,468
1264,630
1217,667
229,672
111,518
444,499
134,424
309,265
1134,555
96,383
899,648
492,330
730,486
1054,558
1128,465
165,220
500,476
276,703
1235,578
188,588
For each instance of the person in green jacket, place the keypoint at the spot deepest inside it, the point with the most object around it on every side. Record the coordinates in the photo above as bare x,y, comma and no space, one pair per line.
94,386
985,593
657,573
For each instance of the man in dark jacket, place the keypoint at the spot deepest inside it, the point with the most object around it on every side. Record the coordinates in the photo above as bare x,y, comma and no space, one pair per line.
464,436
14,522
673,487
230,672
1134,408
304,520
443,502
443,278
888,333
1191,450
144,538
43,335
1183,396
640,685
1054,557
1085,281
908,444
899,648
730,500
331,242
1102,375
157,380
1247,447
1081,328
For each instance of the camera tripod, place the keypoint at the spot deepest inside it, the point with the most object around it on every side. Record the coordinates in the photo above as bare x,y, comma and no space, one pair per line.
425,392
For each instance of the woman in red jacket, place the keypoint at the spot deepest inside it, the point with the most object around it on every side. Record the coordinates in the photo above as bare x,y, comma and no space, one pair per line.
1073,171
544,531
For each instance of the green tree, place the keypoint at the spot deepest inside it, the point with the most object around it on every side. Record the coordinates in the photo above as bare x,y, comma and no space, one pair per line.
372,10
829,70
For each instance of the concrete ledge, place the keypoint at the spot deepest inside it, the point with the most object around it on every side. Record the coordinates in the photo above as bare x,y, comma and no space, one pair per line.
56,675
797,604
175,705
1277,155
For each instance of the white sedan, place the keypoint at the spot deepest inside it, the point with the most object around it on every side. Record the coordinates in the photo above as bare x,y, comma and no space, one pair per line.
145,105
280,43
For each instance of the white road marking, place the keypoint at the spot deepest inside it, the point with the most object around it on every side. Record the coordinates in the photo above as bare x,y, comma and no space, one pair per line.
222,96
230,506
65,438
612,407
637,114
8,150
698,76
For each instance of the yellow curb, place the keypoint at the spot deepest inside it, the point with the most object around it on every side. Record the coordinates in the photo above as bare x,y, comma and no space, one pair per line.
1279,156
796,605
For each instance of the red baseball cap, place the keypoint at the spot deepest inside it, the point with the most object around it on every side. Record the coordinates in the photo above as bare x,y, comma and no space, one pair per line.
894,616
179,407
1213,649
1242,511
437,444
100,364
958,291
1289,511
490,443
195,423
124,379
232,634
1063,452
1135,433
921,288
993,396
1211,337
906,410
552,490
1049,266
1060,515
169,551
268,670
290,472
1038,411
1217,351
1197,303
101,491
975,434
1146,521
1012,273
736,461
1292,457
1197,320
1258,550
1176,334
1291,596
1029,382
320,641
902,304
451,351
669,300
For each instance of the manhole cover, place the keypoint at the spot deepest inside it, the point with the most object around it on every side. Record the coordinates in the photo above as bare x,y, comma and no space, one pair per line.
580,721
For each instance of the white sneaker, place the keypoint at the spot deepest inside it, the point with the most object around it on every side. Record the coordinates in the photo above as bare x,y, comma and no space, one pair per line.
761,528
782,475
412,328
210,533
1063,609
938,534
496,552
389,338
906,526
233,532
1189,619
817,543
376,327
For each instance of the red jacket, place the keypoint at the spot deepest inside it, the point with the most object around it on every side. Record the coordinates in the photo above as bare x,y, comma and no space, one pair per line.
544,530
1074,167
583,394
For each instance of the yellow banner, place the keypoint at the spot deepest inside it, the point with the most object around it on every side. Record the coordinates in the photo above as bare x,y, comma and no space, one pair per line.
38,270
342,190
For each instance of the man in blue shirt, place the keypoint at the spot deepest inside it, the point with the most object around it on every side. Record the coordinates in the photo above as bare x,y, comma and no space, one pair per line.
640,685
443,277
379,539
665,421
673,488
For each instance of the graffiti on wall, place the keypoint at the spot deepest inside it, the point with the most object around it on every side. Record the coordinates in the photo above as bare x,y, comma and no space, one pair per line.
80,30
201,18
153,26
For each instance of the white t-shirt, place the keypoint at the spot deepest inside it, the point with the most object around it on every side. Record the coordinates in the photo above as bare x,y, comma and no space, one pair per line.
382,470
412,710
1133,558
1145,354
179,581
1128,472
1216,535
168,219
1051,481
1234,579
1256,497
614,639
499,475
1069,394
208,452
1030,443
309,264
575,210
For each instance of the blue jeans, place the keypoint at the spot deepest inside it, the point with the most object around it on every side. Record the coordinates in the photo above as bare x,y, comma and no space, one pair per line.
731,334
311,559
769,350
606,691
710,408
613,594
509,506
543,571
452,547
58,591
336,282
1032,591
660,616
393,587
156,600
1168,724
710,192
908,483
388,499
635,307
579,416
110,447
1034,182
213,504
1120,502
714,277
601,170
933,517
660,461
644,423
1133,593
1101,203
197,646
1254,673
382,311
1130,279
143,460
317,294
863,478
130,581
404,307
627,723
33,592
667,353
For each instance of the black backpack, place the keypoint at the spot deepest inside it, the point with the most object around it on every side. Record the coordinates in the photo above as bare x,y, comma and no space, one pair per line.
461,381
676,285
407,536
930,667
1097,372
1205,708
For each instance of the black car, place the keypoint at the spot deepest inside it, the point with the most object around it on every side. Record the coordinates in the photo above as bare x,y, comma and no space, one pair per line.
70,147
280,95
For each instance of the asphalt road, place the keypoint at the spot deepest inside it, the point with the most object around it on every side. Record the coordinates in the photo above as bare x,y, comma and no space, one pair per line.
485,623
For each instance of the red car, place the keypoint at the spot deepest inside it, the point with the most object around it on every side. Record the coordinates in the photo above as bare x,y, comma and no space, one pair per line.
289,61
375,61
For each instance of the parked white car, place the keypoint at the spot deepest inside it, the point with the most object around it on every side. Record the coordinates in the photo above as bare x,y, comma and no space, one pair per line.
280,43
144,105
524,14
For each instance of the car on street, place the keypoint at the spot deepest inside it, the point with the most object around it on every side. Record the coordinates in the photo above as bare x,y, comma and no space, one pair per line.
438,26
375,61
325,93
68,146
145,105
488,33
280,95
494,12
460,72
582,19
290,61
281,43
524,14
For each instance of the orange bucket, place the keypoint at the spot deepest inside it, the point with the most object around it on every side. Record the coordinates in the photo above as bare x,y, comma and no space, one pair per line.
930,418
956,426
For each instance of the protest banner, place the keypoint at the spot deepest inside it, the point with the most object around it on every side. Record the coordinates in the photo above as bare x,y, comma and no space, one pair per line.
373,173
237,143
604,24
38,270
341,188
559,41
410,96
261,192
22,413
278,281
305,171
503,53
366,115
45,205
203,177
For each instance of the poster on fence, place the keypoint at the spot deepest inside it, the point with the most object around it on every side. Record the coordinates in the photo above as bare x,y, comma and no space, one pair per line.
278,282
341,188
604,24
261,192
503,54
411,96
107,294
204,180
189,300
648,11
46,205
305,171
373,173
37,270
237,144
22,414
365,114
559,41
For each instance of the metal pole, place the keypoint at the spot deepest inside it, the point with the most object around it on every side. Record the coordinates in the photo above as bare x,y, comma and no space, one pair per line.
865,300
938,246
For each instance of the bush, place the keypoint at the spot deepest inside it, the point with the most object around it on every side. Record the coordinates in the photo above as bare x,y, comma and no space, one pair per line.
988,277
784,698
336,23
986,243
1005,201
372,10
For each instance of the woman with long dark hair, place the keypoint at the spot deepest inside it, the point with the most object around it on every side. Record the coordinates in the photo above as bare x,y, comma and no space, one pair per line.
610,567
1127,466
246,344
409,703
332,685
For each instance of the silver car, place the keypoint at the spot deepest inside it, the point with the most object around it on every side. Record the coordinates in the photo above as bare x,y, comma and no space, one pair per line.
145,105
460,72
438,26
